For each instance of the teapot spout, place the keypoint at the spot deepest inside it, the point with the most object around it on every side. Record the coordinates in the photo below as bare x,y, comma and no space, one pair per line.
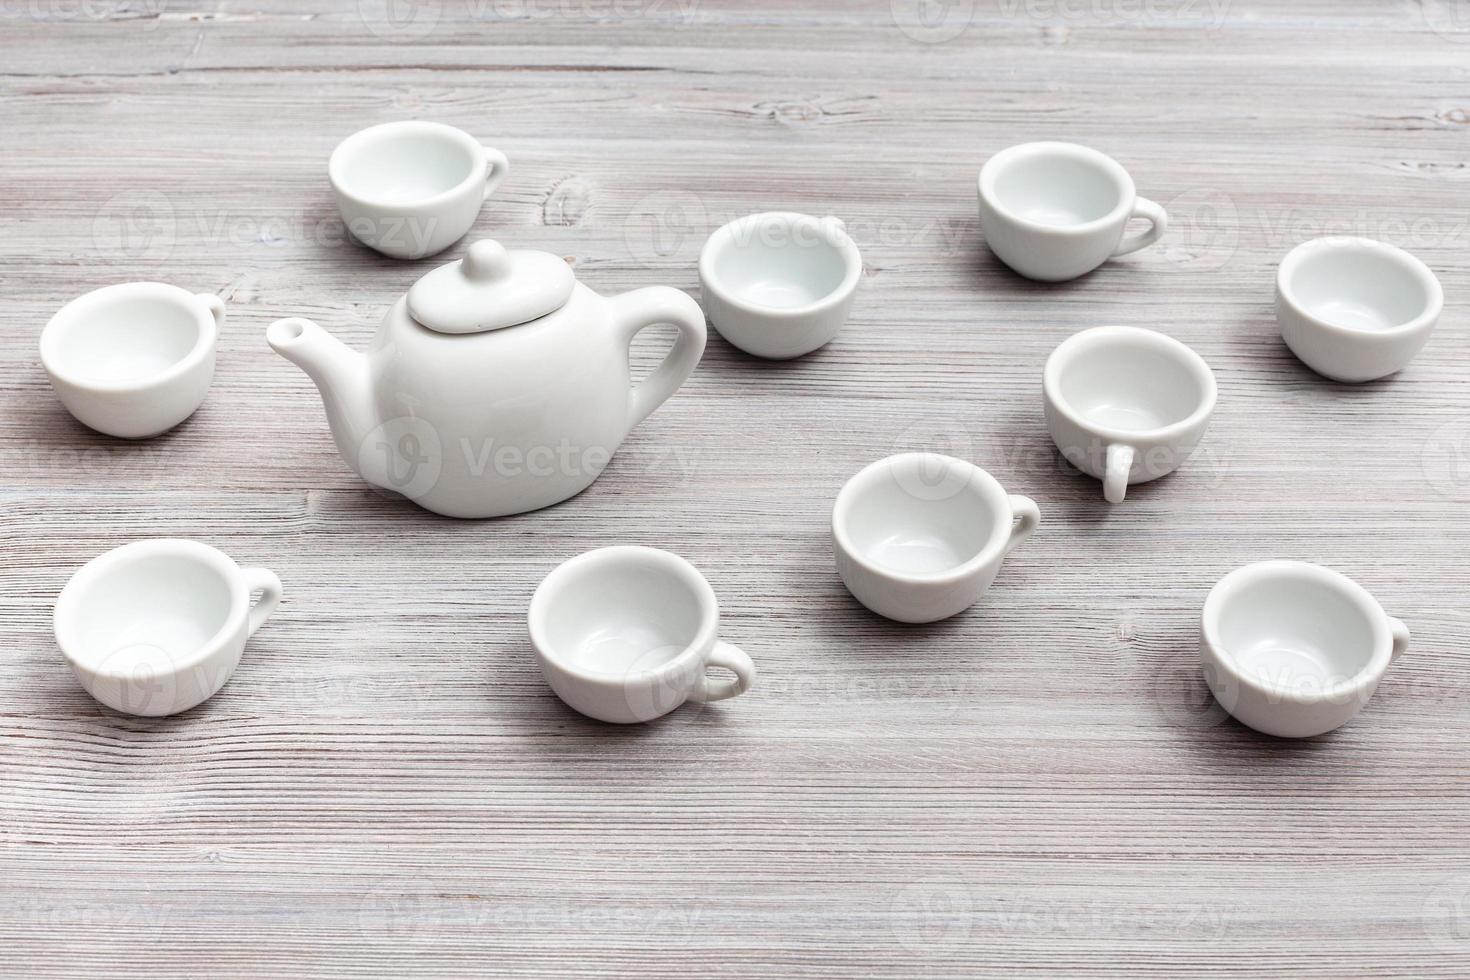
340,374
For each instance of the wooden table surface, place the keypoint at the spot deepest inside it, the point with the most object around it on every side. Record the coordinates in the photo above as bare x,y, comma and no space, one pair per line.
1040,786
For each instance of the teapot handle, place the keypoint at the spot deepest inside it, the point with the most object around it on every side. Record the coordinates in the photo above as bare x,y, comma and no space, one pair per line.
635,311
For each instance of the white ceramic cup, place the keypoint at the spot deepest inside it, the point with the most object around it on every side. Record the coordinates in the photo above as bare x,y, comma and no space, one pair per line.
157,626
920,536
410,189
1353,309
779,284
1295,649
1126,405
1056,211
133,360
625,634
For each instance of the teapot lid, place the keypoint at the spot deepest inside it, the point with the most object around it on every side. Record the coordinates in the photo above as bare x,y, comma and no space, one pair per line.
490,288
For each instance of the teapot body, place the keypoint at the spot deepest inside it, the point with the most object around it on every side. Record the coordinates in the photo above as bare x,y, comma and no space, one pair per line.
500,422
497,422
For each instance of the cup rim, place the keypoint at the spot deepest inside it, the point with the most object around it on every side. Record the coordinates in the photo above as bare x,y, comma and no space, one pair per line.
994,494
70,602
833,232
90,303
613,556
1068,350
352,145
991,170
1392,254
1224,591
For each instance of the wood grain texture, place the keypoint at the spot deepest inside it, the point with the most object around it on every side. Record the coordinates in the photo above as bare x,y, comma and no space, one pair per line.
1039,787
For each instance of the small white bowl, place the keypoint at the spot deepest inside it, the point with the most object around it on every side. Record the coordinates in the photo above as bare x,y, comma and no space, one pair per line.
1294,649
1055,211
1353,309
133,360
779,284
1126,405
410,189
157,626
919,536
625,634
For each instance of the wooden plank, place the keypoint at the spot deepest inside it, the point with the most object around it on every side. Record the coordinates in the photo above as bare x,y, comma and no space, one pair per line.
1039,787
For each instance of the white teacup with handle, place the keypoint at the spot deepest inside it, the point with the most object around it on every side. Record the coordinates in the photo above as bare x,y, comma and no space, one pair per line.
157,626
1126,405
626,634
1056,211
1294,649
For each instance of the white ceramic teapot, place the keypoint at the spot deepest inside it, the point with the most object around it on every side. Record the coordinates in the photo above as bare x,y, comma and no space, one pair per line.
498,384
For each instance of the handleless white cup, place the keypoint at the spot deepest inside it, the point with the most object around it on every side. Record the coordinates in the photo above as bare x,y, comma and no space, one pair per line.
1294,649
157,626
1056,211
1353,309
1126,405
779,284
625,634
411,189
133,360
919,537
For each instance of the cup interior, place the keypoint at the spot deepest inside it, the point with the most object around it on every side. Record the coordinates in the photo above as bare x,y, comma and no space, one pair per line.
1359,286
919,515
1130,383
1057,188
397,166
620,617
1296,633
123,618
778,262
122,339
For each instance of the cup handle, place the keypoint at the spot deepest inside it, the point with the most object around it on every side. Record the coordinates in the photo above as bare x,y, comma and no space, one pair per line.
642,308
216,307
264,581
1158,220
1027,515
1115,472
1400,638
733,659
497,168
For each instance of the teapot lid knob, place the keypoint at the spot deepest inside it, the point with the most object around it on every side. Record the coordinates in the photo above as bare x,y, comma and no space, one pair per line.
490,288
486,260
